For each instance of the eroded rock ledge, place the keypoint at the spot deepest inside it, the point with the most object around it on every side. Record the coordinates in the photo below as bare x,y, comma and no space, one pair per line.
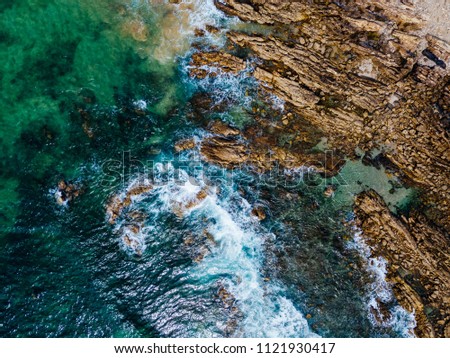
261,147
419,261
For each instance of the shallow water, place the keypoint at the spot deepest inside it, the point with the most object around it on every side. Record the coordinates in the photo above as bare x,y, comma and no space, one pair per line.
95,92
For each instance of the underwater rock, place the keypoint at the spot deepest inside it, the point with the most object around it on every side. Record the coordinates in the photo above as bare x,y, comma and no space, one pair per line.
229,304
226,297
418,261
136,29
203,252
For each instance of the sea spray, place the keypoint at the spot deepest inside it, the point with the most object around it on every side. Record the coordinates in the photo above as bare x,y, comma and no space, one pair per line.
232,260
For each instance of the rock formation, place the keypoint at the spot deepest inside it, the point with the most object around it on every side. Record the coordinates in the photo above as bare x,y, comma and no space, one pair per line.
66,192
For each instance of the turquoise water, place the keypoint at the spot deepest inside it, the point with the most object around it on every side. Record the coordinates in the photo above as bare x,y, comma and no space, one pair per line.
84,82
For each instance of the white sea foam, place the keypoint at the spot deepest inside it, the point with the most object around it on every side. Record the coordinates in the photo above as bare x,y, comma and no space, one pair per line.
236,259
239,255
225,86
140,104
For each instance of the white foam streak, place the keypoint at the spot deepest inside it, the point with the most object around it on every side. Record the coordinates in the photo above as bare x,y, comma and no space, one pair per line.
239,254
237,259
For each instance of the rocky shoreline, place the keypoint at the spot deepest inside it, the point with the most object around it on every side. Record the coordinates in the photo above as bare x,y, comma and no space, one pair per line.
366,75
419,261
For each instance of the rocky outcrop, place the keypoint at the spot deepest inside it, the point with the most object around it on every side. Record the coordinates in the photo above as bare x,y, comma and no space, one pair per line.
120,202
226,152
262,148
213,62
66,192
184,144
418,258
128,223
364,72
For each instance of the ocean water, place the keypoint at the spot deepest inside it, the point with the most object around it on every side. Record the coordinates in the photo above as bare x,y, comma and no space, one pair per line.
96,93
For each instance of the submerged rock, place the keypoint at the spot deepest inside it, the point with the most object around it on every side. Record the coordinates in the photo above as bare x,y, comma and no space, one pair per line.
229,304
137,29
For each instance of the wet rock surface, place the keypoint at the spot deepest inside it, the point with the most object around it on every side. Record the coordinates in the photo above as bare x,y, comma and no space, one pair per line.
67,192
129,223
213,63
265,145
118,203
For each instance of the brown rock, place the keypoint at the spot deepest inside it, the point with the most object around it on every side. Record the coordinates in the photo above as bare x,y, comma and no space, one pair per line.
66,192
184,144
199,32
259,213
136,29
225,152
212,29
118,203
223,129
216,62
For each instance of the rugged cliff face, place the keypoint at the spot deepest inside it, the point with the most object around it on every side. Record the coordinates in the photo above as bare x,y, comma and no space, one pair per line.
367,75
